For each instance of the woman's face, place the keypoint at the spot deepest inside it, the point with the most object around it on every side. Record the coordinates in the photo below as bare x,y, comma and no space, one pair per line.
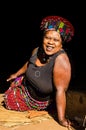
52,42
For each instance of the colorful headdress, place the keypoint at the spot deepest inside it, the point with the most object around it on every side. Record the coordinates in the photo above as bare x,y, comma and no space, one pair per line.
62,25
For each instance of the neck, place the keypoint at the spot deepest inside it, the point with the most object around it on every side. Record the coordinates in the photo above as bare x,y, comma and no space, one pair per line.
42,56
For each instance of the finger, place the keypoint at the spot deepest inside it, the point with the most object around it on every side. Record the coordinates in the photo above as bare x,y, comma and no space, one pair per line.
8,79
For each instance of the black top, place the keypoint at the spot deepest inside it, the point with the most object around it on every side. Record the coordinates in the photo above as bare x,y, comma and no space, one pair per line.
39,79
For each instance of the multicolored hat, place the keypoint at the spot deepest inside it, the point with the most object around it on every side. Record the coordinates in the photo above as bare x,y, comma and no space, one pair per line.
61,25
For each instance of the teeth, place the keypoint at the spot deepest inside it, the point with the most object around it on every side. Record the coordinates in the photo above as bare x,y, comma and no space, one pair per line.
49,48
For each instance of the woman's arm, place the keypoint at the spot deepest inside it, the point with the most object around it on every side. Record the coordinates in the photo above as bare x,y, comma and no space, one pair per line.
62,75
19,72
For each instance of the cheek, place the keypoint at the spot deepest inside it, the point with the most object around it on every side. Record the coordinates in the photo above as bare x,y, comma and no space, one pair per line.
44,42
59,44
44,45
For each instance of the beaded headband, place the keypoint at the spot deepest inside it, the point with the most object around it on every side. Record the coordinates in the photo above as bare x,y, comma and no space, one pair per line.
61,25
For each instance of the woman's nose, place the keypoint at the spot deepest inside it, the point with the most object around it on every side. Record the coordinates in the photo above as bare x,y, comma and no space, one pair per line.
51,41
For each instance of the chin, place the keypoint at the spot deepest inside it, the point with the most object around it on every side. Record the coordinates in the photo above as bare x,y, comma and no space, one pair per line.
49,53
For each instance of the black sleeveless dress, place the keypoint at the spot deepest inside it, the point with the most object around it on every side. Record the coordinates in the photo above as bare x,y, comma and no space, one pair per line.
39,79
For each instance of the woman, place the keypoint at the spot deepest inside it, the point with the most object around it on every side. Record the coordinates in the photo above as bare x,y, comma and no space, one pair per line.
47,73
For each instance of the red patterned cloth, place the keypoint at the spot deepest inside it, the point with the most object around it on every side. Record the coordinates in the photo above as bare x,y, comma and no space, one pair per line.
18,98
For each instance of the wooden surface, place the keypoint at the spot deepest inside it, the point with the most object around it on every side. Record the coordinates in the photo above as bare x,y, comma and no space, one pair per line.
13,120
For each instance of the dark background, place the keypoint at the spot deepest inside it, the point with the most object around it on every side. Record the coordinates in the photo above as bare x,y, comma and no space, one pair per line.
20,33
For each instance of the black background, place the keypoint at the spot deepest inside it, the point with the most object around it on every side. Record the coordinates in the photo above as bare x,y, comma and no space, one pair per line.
20,33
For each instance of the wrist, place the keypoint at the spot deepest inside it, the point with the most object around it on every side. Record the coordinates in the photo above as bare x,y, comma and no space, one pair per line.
65,122
16,74
62,120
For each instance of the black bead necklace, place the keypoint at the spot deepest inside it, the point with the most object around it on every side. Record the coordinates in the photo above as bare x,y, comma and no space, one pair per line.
42,56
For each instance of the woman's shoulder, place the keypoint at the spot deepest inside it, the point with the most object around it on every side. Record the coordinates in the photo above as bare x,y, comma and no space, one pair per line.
59,53
62,58
35,51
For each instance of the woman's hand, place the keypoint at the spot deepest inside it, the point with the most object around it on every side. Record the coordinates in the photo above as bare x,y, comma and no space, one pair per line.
65,123
13,76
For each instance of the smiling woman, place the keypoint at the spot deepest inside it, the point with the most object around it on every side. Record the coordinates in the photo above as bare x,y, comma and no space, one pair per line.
45,77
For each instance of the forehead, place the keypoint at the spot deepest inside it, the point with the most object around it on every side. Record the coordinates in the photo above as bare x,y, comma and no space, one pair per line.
52,33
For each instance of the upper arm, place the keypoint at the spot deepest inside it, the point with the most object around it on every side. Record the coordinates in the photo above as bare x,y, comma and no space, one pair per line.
62,72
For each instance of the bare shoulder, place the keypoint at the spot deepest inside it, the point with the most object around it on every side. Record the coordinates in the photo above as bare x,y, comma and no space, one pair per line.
62,61
34,50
